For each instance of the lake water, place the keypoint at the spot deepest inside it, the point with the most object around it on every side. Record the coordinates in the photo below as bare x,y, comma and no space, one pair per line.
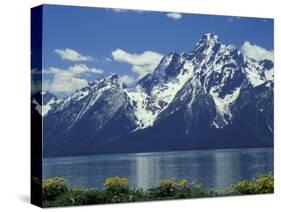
212,168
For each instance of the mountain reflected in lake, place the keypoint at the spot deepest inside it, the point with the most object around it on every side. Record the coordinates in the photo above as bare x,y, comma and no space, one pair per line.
212,168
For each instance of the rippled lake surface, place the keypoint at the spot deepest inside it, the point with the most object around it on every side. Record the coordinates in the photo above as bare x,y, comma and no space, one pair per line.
212,168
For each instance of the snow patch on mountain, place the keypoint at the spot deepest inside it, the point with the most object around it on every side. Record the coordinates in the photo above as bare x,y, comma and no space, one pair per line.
88,105
269,75
167,91
47,107
149,106
223,106
145,118
86,98
254,77
257,72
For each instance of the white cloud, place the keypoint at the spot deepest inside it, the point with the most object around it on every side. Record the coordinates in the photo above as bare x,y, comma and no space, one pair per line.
78,68
35,86
174,16
143,70
68,80
256,52
82,68
127,79
65,82
233,18
119,10
142,64
75,69
141,11
36,71
72,55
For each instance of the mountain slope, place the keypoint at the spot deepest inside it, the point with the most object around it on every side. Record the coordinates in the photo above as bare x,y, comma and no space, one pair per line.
97,112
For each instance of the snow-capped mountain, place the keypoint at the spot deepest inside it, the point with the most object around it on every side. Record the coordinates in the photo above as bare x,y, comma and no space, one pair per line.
212,97
101,110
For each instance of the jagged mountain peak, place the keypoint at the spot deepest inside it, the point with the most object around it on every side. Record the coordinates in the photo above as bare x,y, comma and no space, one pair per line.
101,84
173,63
167,70
210,37
207,43
92,92
213,69
111,80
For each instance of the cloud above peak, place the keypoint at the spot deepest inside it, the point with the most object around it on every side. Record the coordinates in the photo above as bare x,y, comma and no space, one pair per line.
142,64
64,82
72,55
256,52
68,80
119,10
82,68
175,16
127,79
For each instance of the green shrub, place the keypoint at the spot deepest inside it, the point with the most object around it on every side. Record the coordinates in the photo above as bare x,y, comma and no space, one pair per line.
262,185
198,190
168,188
116,185
53,187
116,189
139,195
241,188
78,197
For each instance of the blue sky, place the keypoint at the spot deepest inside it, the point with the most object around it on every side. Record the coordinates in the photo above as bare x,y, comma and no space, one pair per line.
91,42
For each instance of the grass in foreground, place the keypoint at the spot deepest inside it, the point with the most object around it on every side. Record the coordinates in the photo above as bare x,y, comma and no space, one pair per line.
117,190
